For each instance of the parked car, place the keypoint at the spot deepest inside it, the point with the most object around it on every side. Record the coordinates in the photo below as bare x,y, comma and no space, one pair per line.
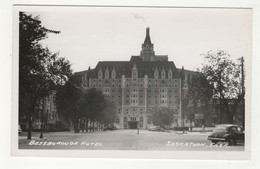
19,129
155,128
110,128
230,133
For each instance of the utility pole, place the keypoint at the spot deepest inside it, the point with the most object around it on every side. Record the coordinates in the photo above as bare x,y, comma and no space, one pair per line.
243,92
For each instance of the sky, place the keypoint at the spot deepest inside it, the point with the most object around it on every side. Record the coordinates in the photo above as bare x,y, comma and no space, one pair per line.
92,34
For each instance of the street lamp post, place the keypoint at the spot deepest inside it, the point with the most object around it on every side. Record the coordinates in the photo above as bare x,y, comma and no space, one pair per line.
43,104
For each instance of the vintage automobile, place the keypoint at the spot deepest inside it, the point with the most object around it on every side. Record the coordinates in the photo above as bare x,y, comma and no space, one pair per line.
110,127
155,128
230,133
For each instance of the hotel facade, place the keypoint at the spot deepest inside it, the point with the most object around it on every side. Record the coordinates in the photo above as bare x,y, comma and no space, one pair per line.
140,86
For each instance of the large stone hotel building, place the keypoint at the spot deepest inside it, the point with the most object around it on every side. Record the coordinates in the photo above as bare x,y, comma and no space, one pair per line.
139,86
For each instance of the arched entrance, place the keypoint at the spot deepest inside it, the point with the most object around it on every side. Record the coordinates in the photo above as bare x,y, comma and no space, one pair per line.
132,124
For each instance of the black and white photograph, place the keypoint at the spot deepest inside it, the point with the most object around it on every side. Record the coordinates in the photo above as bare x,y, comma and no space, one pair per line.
140,80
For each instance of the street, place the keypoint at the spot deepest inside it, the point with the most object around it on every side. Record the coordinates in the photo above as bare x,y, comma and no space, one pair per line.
125,140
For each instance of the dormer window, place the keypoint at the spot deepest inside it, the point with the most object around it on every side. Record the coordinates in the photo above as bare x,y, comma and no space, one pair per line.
170,73
107,74
163,74
113,73
100,73
134,73
156,74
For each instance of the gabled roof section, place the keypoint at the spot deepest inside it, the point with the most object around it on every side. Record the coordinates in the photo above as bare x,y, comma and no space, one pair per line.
125,67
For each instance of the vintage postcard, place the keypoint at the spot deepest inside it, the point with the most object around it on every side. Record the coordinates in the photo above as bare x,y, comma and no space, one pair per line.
132,82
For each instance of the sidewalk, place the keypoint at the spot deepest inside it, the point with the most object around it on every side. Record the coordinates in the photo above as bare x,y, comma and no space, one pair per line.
192,133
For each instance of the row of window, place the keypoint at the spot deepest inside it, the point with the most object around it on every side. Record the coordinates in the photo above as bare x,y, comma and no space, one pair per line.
141,119
141,90
136,103
107,84
128,85
134,74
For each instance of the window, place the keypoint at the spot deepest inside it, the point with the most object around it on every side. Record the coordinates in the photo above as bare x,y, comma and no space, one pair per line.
149,120
125,119
48,113
239,129
141,119
233,129
117,120
133,119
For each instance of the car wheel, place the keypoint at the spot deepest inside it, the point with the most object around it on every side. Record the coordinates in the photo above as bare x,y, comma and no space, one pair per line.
231,141
214,141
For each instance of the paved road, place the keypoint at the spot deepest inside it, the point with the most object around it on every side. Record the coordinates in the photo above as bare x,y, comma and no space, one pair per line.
124,140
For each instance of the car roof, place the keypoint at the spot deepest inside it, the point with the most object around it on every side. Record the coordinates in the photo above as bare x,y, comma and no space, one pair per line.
228,125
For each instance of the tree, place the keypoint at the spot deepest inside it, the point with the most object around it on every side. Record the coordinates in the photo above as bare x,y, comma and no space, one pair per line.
81,106
224,75
40,71
109,113
66,101
198,98
162,116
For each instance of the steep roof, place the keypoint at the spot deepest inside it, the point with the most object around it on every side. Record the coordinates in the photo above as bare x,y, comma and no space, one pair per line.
125,67
147,39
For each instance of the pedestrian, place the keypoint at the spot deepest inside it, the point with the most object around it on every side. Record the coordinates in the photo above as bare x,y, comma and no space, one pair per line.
203,128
